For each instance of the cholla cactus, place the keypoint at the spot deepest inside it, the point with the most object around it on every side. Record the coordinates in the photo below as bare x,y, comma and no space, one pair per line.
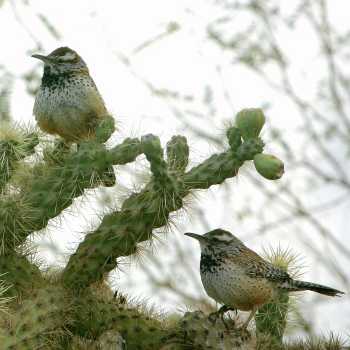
271,318
74,308
200,333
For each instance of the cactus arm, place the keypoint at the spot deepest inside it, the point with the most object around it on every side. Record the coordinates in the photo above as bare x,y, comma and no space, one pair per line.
37,319
54,190
20,273
139,329
121,231
11,151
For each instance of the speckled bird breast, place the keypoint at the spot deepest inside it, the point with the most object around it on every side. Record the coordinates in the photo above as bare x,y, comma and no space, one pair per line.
69,107
228,284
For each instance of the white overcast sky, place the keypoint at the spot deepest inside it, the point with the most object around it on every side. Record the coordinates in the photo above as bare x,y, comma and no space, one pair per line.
102,32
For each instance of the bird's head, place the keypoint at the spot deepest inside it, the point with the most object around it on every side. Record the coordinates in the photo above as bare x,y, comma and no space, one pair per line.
62,60
215,238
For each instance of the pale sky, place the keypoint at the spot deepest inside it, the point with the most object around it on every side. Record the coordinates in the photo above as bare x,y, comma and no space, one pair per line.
102,32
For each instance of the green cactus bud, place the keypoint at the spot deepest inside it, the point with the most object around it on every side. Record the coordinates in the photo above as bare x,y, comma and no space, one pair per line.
268,166
250,121
177,153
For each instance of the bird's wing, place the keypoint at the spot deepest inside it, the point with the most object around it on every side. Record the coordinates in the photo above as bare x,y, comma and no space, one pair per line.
255,266
96,104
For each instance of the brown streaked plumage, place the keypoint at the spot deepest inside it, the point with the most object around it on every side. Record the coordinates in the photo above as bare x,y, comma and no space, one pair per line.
237,277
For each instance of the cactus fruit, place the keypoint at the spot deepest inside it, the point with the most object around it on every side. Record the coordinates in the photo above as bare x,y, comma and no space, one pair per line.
250,121
268,166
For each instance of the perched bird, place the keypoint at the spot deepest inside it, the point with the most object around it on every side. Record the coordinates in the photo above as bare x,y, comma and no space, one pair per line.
68,103
237,277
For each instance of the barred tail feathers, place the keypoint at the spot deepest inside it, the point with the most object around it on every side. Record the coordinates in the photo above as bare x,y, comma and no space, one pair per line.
295,286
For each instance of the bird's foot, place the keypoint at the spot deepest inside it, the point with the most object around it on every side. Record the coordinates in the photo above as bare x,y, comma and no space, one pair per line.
220,313
246,323
213,317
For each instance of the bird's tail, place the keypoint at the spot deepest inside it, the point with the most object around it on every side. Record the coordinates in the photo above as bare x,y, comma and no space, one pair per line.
295,286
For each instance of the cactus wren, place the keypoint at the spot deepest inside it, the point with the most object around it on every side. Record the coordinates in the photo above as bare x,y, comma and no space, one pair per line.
68,103
237,277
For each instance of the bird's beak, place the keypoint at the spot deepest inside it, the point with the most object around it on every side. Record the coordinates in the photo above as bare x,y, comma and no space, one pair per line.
41,57
195,236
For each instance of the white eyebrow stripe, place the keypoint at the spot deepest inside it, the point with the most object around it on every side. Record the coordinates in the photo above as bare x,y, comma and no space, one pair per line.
225,238
68,56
